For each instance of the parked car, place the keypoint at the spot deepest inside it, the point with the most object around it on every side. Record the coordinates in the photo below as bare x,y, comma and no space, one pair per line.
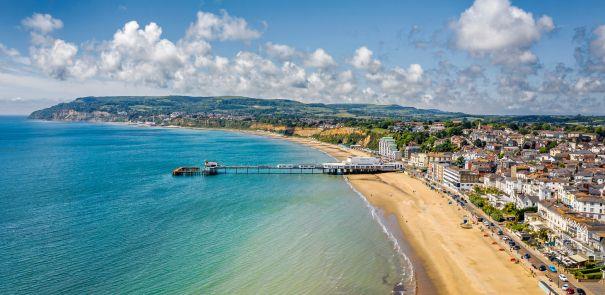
562,277
570,291
527,256
580,291
565,287
480,219
516,247
500,232
542,267
552,268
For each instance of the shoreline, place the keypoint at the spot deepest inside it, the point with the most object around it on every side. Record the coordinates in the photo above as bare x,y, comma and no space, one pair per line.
446,259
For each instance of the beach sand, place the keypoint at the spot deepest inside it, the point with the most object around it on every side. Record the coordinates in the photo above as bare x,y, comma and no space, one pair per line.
447,259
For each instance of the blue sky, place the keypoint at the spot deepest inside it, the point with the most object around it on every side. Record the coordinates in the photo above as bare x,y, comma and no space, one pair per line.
484,56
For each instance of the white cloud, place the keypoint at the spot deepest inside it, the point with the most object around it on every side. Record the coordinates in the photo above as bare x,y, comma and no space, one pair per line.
55,59
498,29
363,59
209,26
280,51
11,52
43,23
589,85
141,56
597,45
320,59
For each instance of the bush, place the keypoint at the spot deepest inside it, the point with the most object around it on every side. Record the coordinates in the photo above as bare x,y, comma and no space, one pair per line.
591,276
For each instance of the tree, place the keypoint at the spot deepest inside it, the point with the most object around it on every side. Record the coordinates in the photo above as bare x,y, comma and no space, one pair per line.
478,143
447,146
460,161
509,208
543,234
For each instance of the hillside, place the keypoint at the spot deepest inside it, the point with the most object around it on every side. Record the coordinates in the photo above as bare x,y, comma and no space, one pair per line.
134,107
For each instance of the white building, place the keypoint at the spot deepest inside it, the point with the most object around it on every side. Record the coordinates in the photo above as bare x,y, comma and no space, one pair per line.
457,178
387,148
573,233
419,160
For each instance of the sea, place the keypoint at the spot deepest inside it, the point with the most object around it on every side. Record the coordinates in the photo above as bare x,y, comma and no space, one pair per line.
91,208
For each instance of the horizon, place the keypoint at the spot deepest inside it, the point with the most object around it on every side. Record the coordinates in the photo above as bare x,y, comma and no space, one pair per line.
483,57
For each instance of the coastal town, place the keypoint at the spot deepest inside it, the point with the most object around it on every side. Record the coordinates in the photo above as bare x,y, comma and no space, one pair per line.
545,189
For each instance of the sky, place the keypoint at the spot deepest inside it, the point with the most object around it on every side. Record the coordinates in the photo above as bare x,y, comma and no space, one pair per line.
477,57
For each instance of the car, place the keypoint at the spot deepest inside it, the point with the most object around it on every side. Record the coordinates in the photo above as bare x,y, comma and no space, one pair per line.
542,267
527,256
500,232
504,238
570,291
486,222
516,247
562,277
480,219
552,268
580,291
565,287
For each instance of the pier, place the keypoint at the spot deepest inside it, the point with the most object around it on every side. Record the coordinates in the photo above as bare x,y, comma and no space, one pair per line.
353,165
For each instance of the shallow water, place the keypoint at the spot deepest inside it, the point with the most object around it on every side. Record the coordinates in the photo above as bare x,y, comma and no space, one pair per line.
92,208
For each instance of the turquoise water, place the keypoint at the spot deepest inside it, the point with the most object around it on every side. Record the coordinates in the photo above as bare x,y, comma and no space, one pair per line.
92,208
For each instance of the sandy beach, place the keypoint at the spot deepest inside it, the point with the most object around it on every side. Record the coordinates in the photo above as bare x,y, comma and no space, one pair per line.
447,259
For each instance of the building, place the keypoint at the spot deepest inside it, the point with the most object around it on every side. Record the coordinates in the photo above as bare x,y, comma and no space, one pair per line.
419,160
387,148
439,157
435,171
589,206
573,233
457,178
409,150
354,165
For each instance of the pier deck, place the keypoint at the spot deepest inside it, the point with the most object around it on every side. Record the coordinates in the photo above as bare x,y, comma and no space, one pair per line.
213,168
